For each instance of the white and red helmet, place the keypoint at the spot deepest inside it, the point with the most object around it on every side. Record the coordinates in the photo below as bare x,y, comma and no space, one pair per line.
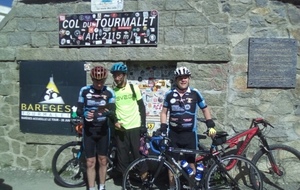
99,73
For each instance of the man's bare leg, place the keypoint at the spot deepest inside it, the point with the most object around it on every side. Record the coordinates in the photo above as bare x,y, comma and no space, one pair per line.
91,172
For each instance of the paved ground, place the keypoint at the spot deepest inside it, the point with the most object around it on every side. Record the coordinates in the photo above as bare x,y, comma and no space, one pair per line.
16,179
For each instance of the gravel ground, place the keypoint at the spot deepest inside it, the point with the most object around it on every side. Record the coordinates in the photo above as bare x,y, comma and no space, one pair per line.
24,179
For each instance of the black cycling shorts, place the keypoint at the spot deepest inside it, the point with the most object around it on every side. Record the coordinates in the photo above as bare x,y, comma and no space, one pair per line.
96,144
183,139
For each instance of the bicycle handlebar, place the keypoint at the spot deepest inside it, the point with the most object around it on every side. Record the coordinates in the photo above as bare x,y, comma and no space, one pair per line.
159,143
262,121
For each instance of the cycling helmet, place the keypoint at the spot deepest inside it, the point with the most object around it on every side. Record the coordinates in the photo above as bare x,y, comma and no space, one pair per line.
119,67
99,73
182,71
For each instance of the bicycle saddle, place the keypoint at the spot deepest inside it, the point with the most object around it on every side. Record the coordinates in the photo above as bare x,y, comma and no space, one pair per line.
220,138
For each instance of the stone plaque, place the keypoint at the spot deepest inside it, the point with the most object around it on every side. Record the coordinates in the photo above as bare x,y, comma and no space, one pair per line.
272,62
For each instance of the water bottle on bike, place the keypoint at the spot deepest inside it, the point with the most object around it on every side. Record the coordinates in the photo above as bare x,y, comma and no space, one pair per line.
185,165
199,172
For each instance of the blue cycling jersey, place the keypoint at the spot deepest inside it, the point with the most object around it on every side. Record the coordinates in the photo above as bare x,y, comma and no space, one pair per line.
97,100
183,110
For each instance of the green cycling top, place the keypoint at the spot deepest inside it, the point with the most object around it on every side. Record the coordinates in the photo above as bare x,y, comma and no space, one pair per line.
127,109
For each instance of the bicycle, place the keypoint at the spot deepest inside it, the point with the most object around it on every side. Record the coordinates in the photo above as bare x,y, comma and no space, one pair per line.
69,164
279,164
219,174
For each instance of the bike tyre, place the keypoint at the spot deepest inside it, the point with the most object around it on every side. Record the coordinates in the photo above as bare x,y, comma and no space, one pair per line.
74,167
288,160
215,179
132,181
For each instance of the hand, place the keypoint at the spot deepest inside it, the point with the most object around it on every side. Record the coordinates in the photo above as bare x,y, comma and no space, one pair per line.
212,132
163,129
106,112
89,115
210,123
143,131
119,126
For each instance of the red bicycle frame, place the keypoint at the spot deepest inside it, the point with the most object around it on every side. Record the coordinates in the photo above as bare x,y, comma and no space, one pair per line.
235,140
244,138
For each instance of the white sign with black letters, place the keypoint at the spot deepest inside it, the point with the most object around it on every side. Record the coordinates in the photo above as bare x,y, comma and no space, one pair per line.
106,5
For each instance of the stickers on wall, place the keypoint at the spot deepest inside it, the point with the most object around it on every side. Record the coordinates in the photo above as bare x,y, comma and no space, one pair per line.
154,80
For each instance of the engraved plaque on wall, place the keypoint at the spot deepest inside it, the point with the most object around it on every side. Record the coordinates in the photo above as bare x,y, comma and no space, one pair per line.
272,62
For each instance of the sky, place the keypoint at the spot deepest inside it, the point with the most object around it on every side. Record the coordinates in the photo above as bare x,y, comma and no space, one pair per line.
7,3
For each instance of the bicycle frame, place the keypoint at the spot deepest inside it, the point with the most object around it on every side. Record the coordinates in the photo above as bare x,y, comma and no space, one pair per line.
207,154
248,135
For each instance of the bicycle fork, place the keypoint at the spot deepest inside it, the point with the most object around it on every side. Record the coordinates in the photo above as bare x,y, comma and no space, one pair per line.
155,175
265,148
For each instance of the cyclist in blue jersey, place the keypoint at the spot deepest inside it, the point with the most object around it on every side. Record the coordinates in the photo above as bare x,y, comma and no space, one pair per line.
182,103
96,104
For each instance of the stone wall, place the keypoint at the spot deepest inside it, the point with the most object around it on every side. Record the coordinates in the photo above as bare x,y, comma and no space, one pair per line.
210,37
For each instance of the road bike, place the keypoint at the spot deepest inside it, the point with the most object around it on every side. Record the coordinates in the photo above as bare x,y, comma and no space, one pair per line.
219,173
279,164
69,164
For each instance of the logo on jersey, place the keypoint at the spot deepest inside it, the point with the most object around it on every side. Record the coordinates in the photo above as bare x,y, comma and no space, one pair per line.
102,103
187,107
189,100
173,100
89,96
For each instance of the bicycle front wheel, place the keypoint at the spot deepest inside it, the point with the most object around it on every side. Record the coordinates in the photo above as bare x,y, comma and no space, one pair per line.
68,165
156,174
233,172
288,161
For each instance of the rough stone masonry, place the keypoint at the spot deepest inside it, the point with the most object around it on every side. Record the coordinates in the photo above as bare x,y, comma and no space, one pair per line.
210,37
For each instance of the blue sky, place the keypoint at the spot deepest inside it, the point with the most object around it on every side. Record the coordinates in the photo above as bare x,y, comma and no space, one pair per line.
6,3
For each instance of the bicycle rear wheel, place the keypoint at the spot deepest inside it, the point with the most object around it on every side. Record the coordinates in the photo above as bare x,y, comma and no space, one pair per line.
68,165
242,175
132,176
288,161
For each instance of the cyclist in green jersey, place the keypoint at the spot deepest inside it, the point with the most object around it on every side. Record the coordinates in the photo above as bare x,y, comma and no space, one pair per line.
131,115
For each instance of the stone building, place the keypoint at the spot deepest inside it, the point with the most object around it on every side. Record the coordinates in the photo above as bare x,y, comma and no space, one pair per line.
210,37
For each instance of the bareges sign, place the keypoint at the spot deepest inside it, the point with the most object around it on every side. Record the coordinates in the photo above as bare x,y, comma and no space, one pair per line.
109,29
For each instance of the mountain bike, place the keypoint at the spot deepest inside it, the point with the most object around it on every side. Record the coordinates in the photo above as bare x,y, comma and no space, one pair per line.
218,174
279,164
69,164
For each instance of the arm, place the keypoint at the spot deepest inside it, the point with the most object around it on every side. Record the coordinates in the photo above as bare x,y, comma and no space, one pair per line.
201,103
163,120
206,113
111,112
140,103
142,110
210,124
79,111
163,115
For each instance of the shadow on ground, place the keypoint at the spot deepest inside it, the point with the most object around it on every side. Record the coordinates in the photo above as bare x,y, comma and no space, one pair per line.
116,177
4,186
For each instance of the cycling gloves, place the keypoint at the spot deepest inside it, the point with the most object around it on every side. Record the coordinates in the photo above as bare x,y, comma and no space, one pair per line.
210,127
